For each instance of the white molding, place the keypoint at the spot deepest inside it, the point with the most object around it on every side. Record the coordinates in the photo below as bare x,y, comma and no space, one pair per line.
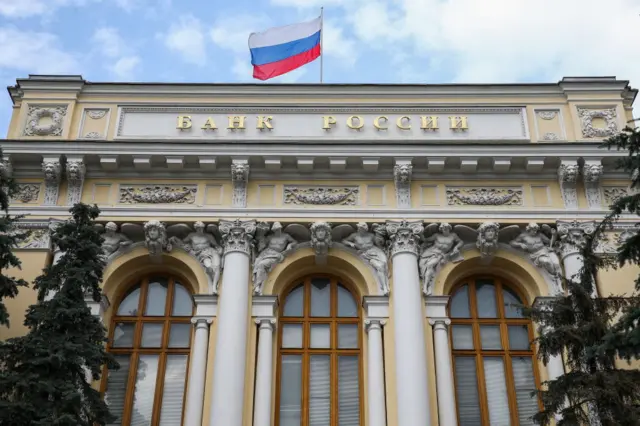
206,305
376,307
264,306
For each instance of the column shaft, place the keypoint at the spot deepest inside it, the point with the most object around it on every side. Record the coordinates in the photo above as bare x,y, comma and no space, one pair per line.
444,374
262,404
375,375
197,373
409,336
227,400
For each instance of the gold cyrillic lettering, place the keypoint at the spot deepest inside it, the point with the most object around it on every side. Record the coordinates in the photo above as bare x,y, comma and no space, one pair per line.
429,122
376,122
209,124
184,122
265,122
328,121
401,125
350,124
458,122
236,121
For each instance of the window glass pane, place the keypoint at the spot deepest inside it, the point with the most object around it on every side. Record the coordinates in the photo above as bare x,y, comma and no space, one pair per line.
129,305
490,336
320,336
467,391
291,335
460,303
151,335
519,337
293,304
524,384
486,297
511,304
123,335
496,387
175,374
156,296
348,336
117,389
145,390
346,304
291,390
462,337
348,391
320,297
319,390
182,305
179,335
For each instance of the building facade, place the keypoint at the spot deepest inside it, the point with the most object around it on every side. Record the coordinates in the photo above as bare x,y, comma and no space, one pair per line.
335,255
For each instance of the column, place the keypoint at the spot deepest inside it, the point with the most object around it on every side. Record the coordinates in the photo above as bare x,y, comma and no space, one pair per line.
377,413
262,404
227,399
409,332
437,313
197,372
572,240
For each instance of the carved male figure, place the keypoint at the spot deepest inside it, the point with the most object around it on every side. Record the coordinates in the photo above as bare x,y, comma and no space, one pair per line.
271,250
487,241
369,246
321,238
208,252
436,251
156,238
113,240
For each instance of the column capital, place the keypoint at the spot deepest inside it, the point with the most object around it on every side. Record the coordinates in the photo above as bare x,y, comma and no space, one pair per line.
573,236
404,236
374,324
237,235
266,323
440,323
199,321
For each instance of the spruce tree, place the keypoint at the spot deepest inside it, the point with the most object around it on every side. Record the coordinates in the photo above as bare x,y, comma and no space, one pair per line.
9,238
43,376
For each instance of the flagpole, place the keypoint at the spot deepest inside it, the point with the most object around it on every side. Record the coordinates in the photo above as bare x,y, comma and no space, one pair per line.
321,41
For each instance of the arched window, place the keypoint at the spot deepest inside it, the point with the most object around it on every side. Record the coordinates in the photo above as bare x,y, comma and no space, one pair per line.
150,336
319,382
494,364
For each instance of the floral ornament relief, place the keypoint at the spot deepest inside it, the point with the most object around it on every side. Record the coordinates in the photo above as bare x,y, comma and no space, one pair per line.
547,115
158,194
96,114
27,192
346,196
53,126
484,196
609,115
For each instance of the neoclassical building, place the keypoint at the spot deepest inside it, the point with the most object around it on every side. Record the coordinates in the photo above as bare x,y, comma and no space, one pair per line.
321,255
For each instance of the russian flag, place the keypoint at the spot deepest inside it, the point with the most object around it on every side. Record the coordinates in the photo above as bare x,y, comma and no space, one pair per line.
279,50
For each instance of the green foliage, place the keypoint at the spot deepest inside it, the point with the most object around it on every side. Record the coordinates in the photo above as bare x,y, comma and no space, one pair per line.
9,238
44,379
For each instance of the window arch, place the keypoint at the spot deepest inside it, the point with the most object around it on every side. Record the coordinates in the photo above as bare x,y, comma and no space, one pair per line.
150,337
494,364
319,363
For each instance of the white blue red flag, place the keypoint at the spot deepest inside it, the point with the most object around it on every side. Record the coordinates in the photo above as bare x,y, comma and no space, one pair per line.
279,50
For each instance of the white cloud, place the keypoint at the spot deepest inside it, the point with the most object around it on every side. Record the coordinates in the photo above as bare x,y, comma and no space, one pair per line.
187,39
336,44
109,42
234,34
35,52
27,8
125,68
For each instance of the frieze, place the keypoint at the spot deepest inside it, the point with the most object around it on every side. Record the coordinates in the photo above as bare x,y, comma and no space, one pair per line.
93,135
614,193
550,136
158,194
54,117
547,115
609,116
27,192
321,195
96,114
480,196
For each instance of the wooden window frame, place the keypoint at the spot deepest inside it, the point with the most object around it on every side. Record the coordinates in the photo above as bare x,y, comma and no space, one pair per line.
305,352
506,354
136,350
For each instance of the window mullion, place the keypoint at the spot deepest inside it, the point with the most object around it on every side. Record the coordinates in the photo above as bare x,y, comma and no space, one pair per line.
131,384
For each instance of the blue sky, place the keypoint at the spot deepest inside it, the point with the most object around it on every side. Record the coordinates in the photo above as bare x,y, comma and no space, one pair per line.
366,41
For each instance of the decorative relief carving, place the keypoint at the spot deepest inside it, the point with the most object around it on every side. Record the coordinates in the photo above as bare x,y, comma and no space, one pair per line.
441,245
321,241
370,246
54,116
239,178
550,136
272,249
155,239
113,240
36,239
402,178
573,236
568,177
75,177
321,195
547,115
609,115
93,135
158,194
51,169
237,235
591,173
404,237
614,193
484,196
609,242
96,114
27,192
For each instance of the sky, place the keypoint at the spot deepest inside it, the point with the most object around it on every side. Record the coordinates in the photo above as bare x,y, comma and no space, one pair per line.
365,41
